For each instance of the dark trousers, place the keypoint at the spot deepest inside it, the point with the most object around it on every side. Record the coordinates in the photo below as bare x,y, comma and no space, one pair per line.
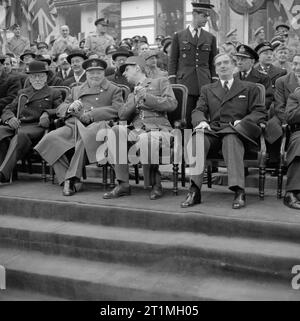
233,152
191,105
293,176
28,136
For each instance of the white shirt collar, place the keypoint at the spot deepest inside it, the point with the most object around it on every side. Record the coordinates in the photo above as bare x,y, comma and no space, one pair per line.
230,82
193,32
77,78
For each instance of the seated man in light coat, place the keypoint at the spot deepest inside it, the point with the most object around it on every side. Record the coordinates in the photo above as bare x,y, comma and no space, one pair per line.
85,112
146,111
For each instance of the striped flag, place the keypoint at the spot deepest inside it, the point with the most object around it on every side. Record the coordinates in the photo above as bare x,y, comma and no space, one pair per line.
52,9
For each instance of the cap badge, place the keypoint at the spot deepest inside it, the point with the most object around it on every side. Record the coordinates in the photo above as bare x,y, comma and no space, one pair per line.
94,63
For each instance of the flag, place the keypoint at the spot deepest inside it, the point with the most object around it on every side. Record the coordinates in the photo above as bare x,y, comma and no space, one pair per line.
27,13
52,9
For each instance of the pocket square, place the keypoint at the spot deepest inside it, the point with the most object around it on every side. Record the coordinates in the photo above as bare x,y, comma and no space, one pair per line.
242,96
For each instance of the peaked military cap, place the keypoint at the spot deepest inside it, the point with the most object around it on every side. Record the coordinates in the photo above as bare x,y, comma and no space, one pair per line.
264,46
246,51
258,30
102,21
94,63
110,49
282,25
122,51
76,53
202,6
132,61
42,45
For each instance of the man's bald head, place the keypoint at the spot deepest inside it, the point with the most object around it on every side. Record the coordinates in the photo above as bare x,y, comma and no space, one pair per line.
65,31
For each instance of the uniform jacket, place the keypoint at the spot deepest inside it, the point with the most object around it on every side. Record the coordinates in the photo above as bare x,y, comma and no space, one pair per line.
284,86
286,66
61,44
17,45
293,118
219,108
69,81
156,73
256,76
273,72
105,102
119,79
98,43
152,112
39,101
191,63
9,87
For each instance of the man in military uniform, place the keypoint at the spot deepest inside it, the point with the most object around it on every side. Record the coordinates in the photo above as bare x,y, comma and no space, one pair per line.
260,36
147,107
64,42
85,112
33,118
292,196
228,111
152,69
192,54
231,36
119,57
282,30
246,57
282,58
17,44
99,41
265,65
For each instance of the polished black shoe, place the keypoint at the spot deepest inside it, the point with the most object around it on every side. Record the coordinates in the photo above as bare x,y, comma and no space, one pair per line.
68,189
291,200
156,192
192,198
239,200
118,191
3,179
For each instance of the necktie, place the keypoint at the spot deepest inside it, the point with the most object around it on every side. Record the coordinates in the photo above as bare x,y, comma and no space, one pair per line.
64,74
243,75
196,37
226,88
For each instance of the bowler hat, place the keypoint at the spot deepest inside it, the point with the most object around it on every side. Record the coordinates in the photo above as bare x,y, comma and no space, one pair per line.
132,61
35,67
94,63
248,129
76,53
122,52
27,52
102,21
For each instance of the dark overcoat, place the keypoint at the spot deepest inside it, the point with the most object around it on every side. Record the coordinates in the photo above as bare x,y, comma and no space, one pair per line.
191,63
9,87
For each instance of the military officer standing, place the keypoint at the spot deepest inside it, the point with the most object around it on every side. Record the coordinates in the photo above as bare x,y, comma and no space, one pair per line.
64,42
259,35
85,111
192,54
246,58
17,44
99,41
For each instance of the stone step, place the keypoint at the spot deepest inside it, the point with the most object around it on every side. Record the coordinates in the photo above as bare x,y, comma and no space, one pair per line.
23,295
161,215
181,251
80,279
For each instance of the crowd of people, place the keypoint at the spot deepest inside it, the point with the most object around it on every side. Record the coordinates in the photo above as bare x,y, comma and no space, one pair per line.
223,101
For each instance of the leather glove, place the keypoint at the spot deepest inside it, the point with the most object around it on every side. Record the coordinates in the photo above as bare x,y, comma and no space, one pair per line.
14,123
44,121
86,118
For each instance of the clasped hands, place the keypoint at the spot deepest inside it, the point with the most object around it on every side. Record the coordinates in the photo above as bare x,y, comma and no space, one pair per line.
140,93
76,110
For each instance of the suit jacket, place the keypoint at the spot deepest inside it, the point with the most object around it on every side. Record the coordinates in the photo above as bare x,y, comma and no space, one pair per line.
9,87
273,72
69,81
60,75
44,100
257,77
152,112
219,109
293,118
191,63
103,104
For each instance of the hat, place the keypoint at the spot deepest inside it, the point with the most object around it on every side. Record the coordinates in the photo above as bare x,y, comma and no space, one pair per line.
258,30
143,39
166,45
94,63
148,54
44,59
102,21
125,45
41,45
159,37
122,52
231,32
110,49
134,60
281,46
76,53
27,52
202,5
246,52
248,130
2,59
165,40
282,25
14,26
264,46
136,38
35,67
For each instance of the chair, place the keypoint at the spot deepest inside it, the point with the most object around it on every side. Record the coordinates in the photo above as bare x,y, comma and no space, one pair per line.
282,161
255,157
75,84
125,89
